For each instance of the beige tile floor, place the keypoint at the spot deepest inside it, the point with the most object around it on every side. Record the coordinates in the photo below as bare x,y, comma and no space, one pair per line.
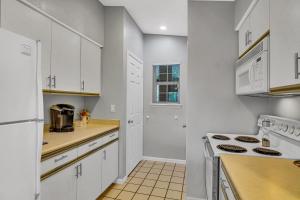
150,180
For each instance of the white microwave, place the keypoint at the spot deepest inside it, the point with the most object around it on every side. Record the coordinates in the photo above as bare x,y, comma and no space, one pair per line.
252,72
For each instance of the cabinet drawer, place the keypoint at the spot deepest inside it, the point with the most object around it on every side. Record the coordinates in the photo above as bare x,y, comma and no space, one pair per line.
58,160
110,137
90,146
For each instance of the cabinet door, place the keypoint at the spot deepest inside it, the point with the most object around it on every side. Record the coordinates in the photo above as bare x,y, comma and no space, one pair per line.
259,20
110,165
65,59
243,36
21,19
90,67
61,186
284,42
89,181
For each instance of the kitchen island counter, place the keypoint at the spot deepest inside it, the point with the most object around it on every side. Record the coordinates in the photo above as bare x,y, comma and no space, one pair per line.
262,178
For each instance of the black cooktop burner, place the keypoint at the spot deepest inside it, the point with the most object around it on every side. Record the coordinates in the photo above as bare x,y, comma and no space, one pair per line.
220,137
268,152
247,139
232,148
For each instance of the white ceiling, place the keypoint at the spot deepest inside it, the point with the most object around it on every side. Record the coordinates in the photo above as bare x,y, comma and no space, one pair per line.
151,14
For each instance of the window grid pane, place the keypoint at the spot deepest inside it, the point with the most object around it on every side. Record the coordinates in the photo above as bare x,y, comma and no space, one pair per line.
166,83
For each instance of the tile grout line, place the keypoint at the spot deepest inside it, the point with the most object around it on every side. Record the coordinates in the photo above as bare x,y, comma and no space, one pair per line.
151,167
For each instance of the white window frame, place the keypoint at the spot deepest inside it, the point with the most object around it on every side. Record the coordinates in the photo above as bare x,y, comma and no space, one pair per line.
155,83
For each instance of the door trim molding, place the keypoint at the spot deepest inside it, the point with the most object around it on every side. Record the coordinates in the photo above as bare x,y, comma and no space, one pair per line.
178,161
121,181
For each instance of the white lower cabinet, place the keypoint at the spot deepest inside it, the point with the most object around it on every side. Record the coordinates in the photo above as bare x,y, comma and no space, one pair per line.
89,179
84,180
110,165
60,186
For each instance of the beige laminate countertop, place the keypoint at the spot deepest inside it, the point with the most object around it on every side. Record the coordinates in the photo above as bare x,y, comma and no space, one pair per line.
59,142
260,178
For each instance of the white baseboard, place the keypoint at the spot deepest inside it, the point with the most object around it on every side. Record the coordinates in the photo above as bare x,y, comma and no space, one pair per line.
194,198
164,160
121,180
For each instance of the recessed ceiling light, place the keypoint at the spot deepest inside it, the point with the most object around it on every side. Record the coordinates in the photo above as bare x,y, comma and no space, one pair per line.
163,28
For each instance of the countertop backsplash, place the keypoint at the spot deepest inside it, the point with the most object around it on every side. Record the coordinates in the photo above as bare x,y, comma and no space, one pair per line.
49,100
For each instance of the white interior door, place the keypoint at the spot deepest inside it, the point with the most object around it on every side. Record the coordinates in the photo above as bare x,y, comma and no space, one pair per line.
134,132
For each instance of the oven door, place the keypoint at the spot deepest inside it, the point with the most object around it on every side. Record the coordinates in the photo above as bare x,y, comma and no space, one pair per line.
211,172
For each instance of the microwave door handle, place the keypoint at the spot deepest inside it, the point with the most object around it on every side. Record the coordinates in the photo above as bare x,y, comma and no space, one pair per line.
251,75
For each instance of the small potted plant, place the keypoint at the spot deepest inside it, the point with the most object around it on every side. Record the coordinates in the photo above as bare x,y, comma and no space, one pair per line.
84,117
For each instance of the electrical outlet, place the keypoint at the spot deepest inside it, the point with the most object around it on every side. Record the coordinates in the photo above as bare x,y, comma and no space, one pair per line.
112,108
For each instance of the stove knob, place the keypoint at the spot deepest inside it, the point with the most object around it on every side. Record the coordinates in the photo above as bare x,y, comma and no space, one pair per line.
291,130
297,132
285,127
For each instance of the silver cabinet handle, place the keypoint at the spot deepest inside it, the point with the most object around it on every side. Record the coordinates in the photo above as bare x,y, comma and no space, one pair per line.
61,158
249,37
104,154
130,121
246,38
223,187
77,171
94,143
297,58
54,81
80,171
49,81
82,85
112,135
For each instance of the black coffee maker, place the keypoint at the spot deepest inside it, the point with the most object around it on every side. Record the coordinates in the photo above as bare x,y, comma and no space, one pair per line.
62,118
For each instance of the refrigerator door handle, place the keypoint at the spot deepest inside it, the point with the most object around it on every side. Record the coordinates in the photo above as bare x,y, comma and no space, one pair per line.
39,92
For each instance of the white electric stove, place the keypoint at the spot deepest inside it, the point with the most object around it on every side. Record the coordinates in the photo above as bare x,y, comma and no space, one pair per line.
283,134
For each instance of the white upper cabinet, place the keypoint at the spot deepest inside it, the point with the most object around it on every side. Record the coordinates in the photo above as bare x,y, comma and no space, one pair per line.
285,42
90,67
21,19
243,36
259,20
256,24
65,59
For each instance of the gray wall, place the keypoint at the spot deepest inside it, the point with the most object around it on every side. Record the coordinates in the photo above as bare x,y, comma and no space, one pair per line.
85,16
133,36
164,136
240,8
212,105
121,33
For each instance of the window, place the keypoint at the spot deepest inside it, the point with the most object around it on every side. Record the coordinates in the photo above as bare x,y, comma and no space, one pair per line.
166,83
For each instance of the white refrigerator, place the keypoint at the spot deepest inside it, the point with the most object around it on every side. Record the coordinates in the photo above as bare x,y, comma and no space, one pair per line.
21,117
